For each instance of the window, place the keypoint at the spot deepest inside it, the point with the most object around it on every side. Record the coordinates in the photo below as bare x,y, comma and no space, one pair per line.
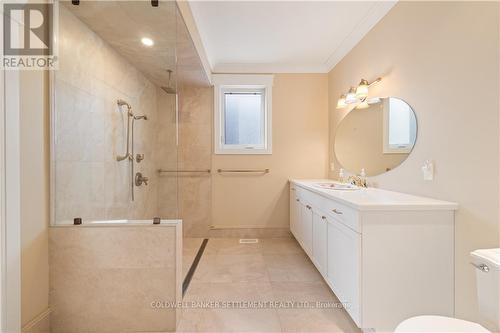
243,114
399,127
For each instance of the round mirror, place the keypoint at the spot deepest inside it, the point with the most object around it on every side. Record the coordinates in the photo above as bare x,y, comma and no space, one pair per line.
376,138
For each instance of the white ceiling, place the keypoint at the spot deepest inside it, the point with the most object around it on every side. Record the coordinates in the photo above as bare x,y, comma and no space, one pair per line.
282,36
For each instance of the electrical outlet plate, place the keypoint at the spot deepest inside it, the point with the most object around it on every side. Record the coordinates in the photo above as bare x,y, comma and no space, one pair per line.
428,170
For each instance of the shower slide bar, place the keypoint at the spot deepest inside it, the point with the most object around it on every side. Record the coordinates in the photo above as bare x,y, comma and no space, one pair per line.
129,153
176,171
243,170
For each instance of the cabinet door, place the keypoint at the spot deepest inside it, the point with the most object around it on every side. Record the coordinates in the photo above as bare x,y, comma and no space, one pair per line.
294,212
306,228
344,261
319,242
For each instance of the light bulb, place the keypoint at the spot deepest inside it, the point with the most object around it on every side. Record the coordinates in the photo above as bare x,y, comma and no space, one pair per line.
351,96
147,41
362,90
341,102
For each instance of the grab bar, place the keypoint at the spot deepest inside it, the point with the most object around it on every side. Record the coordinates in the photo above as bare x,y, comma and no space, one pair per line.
243,170
176,171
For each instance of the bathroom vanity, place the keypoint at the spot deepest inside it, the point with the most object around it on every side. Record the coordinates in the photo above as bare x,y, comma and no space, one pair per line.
387,256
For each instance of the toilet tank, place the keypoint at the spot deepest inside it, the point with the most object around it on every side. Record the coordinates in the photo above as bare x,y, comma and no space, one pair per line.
487,263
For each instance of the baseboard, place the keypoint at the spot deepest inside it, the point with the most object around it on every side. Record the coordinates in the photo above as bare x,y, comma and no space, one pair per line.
39,324
239,232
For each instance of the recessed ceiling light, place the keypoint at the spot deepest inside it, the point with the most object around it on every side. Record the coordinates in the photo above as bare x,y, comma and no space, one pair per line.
147,41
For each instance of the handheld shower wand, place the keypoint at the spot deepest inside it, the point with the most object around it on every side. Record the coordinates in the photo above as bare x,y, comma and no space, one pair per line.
121,102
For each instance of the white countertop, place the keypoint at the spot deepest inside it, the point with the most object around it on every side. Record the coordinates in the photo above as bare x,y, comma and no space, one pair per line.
368,199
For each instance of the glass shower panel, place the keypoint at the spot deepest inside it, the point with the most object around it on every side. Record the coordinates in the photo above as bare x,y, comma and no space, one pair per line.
195,100
114,112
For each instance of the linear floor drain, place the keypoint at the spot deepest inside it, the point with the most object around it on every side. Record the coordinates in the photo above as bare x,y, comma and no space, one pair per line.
248,240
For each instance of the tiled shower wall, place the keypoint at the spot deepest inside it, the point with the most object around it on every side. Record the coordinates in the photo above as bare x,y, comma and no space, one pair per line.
90,131
195,153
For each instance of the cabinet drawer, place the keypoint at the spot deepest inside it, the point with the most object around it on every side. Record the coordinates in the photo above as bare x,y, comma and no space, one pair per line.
342,213
334,209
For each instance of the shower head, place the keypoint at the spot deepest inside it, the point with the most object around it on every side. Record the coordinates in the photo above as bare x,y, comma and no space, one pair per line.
140,117
169,90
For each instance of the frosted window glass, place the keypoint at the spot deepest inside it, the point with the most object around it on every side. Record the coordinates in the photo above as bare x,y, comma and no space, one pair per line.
400,122
243,119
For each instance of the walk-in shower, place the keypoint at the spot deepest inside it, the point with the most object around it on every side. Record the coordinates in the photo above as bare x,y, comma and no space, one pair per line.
114,124
128,141
128,136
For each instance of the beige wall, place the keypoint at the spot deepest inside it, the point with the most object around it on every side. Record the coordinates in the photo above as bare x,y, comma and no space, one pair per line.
443,59
300,150
34,195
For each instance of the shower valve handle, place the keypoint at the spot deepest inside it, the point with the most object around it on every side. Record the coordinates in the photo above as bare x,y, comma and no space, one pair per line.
140,179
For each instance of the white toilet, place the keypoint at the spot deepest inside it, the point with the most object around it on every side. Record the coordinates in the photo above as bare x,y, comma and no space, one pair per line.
487,263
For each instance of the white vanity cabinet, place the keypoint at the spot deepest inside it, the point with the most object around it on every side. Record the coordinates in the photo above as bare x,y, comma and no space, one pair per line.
319,242
301,222
294,212
343,270
387,256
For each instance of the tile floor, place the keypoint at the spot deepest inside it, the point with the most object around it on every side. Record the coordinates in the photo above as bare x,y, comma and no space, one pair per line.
272,270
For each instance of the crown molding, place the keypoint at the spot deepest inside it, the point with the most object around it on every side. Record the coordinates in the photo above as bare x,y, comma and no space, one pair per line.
269,68
374,15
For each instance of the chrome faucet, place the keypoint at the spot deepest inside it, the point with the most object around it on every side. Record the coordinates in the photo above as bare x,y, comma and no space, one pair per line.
140,179
357,180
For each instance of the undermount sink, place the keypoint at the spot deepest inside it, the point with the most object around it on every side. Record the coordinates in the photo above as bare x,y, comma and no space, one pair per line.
337,186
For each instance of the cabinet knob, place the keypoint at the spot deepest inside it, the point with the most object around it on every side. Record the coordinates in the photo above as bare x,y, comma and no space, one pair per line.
323,217
308,207
297,200
337,212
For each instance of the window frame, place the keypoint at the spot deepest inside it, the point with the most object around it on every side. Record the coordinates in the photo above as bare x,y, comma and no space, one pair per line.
224,83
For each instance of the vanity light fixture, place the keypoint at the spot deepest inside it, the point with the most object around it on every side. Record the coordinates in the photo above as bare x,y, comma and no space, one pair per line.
147,41
357,95
351,96
362,89
341,102
373,100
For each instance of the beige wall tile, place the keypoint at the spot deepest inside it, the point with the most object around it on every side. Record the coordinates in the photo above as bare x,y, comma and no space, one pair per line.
103,279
